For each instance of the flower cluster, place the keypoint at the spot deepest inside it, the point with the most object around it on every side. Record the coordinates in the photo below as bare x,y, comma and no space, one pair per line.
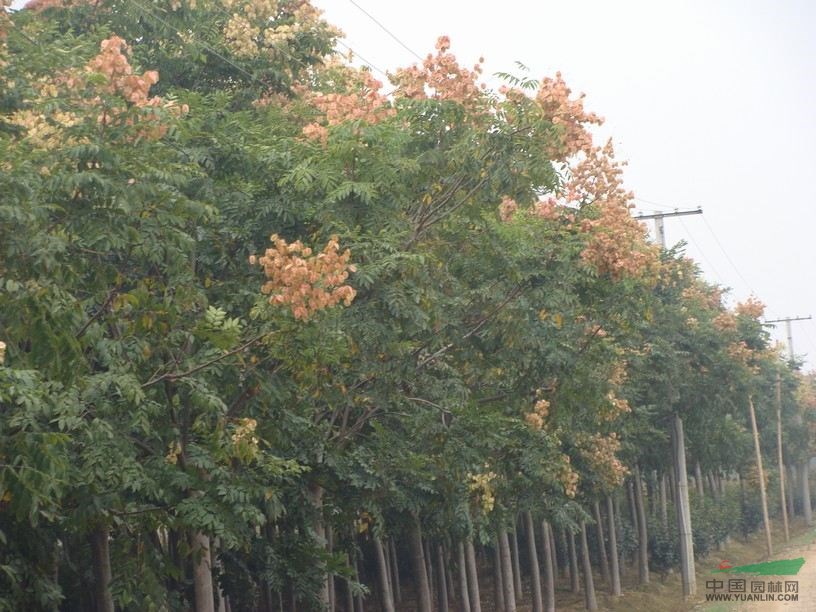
361,101
568,477
536,418
440,77
742,354
244,440
482,486
612,408
507,208
600,452
617,243
257,27
2,352
751,308
567,116
303,281
120,83
725,321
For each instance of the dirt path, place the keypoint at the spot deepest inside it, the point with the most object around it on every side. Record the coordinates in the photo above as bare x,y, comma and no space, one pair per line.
806,579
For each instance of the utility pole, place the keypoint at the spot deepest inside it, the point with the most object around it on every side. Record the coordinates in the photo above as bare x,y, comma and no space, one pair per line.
805,466
660,232
789,330
687,570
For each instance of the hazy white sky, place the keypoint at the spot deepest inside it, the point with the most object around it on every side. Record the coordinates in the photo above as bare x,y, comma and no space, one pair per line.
712,102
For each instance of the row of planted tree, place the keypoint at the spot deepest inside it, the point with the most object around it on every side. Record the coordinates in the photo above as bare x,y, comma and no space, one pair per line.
459,366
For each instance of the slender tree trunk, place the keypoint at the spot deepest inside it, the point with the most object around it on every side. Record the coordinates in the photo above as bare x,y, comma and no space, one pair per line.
498,579
687,571
442,579
599,530
464,598
349,594
359,605
633,514
472,578
514,549
698,479
395,582
330,576
549,567
382,570
535,570
565,558
202,574
575,582
664,506
448,567
782,497
589,584
758,453
100,554
507,571
643,536
790,488
804,475
614,568
316,499
423,590
429,562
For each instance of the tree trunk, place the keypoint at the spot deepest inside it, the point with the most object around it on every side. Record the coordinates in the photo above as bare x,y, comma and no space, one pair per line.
464,598
498,579
782,497
687,571
442,579
429,563
664,506
614,568
565,559
599,530
514,549
589,584
316,498
633,514
423,590
395,582
535,570
382,570
449,571
804,475
698,479
575,582
549,566
507,571
349,594
202,574
643,536
100,554
758,453
359,605
329,577
790,489
472,578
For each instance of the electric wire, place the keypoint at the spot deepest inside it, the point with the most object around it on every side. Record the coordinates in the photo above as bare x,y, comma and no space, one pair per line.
387,31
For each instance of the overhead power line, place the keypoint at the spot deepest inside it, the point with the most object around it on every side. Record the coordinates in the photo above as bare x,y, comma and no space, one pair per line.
728,257
387,31
364,60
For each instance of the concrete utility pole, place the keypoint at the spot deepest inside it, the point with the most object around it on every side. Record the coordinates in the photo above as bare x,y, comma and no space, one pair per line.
687,570
787,322
660,233
805,466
